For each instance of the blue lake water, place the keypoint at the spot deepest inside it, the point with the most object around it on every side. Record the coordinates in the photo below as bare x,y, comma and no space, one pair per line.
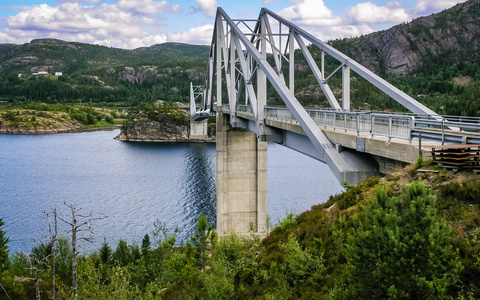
133,184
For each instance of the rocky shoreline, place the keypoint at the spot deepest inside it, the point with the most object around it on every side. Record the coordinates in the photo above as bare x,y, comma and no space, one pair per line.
187,140
41,131
144,130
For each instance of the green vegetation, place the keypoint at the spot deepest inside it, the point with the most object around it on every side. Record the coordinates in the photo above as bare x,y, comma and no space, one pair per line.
3,248
35,115
410,235
162,112
99,74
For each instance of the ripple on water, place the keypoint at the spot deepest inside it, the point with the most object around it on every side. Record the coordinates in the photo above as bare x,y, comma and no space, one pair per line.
134,184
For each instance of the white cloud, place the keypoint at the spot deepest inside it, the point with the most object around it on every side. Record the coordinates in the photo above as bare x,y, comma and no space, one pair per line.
198,35
342,31
320,21
310,12
146,7
112,25
80,1
426,7
208,7
367,12
269,1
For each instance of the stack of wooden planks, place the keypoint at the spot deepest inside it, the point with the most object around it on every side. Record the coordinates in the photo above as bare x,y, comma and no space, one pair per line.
458,156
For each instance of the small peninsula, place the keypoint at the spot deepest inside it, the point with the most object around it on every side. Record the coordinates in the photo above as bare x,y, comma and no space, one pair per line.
42,118
160,122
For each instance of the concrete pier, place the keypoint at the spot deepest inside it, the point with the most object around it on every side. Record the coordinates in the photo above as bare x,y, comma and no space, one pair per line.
241,181
198,129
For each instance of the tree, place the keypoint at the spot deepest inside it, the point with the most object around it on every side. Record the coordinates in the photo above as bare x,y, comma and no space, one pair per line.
146,245
204,235
122,254
52,239
105,252
401,251
3,248
78,226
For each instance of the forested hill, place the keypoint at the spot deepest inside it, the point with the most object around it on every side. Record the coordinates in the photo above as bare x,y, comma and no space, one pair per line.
448,37
53,55
98,73
435,59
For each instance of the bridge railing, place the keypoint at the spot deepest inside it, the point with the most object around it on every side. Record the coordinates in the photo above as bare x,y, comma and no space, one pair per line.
392,126
245,108
471,124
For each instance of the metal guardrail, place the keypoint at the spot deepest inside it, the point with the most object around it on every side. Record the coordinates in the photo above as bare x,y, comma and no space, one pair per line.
393,126
245,108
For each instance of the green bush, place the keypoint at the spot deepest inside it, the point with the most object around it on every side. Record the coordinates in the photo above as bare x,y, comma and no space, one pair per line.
401,251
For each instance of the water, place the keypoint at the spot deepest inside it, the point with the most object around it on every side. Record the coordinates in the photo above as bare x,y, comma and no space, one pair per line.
133,184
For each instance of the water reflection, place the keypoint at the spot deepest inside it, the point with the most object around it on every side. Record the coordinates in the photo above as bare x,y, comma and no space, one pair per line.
199,184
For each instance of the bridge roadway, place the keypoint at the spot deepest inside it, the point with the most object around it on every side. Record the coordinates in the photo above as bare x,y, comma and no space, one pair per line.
388,141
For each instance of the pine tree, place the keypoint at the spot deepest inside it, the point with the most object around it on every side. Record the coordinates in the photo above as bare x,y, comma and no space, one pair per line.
3,247
105,252
401,251
204,235
146,245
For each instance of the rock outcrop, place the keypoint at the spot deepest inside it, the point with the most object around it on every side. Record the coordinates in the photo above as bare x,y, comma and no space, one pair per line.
151,131
145,130
403,49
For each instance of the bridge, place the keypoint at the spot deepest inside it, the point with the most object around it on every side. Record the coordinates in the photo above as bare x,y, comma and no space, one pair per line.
246,57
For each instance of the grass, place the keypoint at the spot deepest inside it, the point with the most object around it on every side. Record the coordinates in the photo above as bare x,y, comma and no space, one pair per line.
102,124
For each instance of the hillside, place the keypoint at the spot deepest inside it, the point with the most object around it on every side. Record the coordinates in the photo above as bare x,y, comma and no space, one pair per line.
451,36
435,59
53,55
98,73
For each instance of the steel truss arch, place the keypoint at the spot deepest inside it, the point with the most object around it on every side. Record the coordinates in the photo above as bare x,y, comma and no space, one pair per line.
238,61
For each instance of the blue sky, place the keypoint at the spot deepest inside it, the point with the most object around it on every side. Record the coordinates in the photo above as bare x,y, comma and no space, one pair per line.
136,23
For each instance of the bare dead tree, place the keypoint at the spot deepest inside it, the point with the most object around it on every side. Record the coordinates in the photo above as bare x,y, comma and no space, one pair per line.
34,267
79,226
52,239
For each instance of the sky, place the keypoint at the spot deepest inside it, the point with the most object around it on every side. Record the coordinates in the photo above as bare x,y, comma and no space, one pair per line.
130,24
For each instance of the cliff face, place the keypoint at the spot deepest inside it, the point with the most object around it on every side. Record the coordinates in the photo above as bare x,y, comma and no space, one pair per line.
149,131
401,50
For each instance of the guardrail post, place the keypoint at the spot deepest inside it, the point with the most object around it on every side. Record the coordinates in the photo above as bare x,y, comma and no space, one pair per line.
410,127
358,124
345,121
443,131
372,127
420,144
334,120
389,127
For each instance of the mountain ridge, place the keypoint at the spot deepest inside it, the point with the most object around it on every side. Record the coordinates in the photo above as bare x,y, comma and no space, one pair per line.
405,48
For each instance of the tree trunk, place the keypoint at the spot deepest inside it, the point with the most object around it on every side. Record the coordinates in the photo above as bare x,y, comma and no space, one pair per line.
53,271
74,254
53,239
37,284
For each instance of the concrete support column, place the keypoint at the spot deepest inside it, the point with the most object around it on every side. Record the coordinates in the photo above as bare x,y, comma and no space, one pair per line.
241,181
198,129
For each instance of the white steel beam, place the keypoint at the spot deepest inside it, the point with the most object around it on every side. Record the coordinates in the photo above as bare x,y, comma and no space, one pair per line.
345,88
291,68
341,167
399,96
318,75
